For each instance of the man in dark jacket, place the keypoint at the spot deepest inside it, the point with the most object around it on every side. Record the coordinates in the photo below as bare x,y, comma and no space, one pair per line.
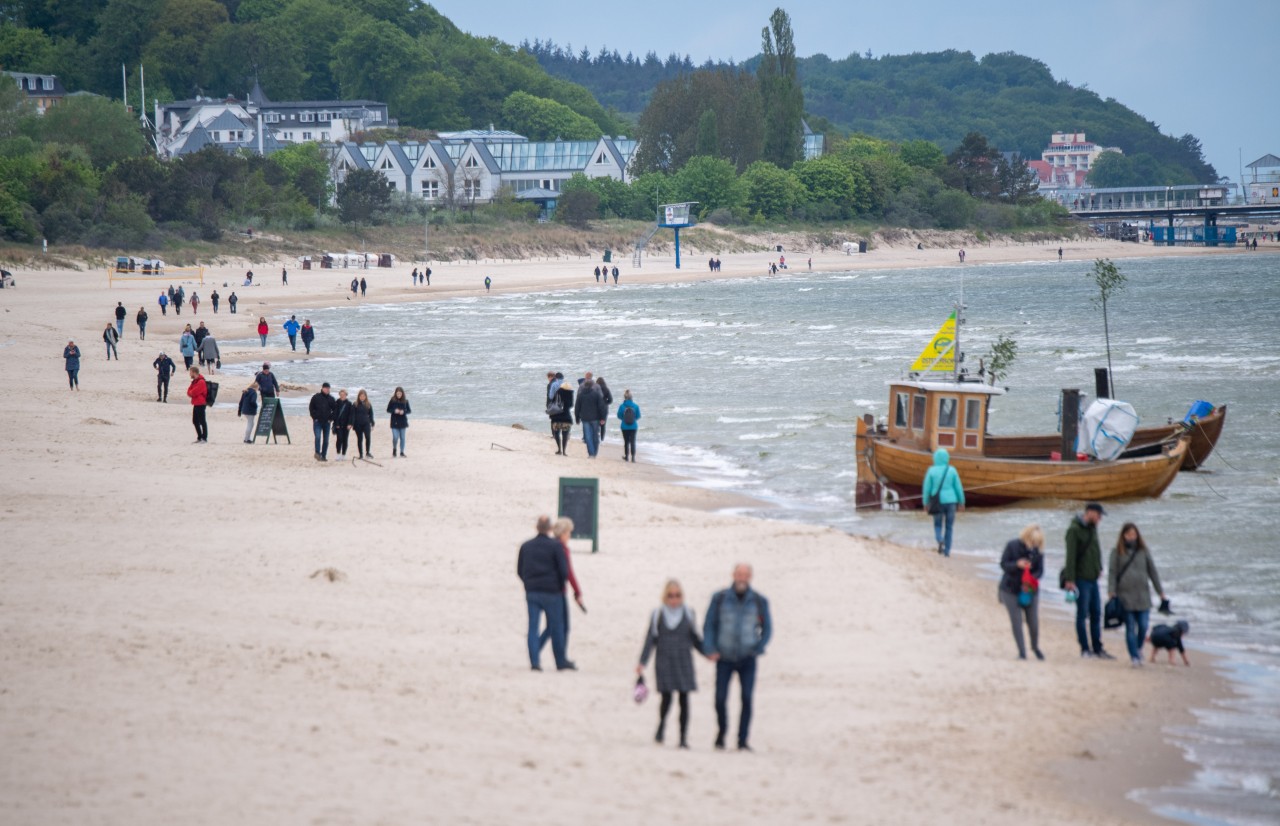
1080,574
589,411
267,383
322,408
165,368
120,314
735,632
543,568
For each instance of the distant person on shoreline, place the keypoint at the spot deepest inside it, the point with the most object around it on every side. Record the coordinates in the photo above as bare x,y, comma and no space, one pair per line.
1019,592
195,302
215,299
266,381
589,411
362,424
72,355
355,286
673,634
284,276
198,390
1059,253
414,276
942,493
961,256
1128,571
542,569
560,411
141,318
735,632
110,336
597,274
608,400
308,335
231,302
1080,574
291,329
488,282
263,330
426,275
163,300
342,411
363,286
615,276
322,410
121,312
561,531
399,410
165,368
248,409
629,414
187,345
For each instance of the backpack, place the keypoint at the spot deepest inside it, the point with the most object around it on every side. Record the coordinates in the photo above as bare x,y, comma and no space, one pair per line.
629,416
211,387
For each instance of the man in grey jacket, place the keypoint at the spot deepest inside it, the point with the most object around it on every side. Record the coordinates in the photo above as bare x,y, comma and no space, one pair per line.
735,632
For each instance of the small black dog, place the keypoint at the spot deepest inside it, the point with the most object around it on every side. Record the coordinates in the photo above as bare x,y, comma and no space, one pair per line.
1170,637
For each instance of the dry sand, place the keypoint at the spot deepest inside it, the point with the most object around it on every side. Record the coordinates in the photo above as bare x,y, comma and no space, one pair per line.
172,652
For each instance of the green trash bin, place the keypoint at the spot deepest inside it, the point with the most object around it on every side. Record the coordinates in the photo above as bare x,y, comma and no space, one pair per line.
608,256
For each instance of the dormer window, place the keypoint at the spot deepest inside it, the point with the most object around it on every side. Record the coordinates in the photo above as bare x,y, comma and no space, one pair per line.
471,162
602,159
386,164
430,164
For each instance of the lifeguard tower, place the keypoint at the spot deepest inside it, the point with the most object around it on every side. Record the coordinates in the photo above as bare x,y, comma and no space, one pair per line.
677,217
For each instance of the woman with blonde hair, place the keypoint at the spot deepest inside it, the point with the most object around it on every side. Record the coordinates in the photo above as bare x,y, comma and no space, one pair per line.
1023,565
673,634
562,530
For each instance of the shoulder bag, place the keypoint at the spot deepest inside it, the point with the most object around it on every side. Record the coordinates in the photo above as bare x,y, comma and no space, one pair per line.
1114,612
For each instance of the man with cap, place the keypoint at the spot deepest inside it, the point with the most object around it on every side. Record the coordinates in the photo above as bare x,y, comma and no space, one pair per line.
323,406
1080,575
165,368
267,383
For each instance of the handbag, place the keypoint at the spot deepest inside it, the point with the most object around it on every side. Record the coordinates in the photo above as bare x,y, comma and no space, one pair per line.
935,506
1030,585
1114,613
641,692
555,407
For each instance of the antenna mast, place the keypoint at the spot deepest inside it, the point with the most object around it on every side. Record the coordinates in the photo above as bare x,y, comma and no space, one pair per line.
124,87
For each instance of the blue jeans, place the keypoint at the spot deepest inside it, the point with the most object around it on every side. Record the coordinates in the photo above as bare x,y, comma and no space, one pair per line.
397,438
293,340
745,668
948,515
321,431
546,632
553,606
1135,632
1089,605
120,327
591,435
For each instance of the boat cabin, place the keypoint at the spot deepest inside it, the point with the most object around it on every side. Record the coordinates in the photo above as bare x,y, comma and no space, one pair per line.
934,414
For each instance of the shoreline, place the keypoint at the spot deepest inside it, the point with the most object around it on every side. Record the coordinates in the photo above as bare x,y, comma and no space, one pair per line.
880,694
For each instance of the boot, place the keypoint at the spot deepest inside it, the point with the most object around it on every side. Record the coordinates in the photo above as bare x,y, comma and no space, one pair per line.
662,726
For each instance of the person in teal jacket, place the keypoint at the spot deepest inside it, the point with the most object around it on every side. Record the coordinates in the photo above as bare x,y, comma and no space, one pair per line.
943,483
629,415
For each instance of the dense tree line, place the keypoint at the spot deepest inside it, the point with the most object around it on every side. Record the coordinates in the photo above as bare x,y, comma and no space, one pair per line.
402,52
912,184
84,173
940,97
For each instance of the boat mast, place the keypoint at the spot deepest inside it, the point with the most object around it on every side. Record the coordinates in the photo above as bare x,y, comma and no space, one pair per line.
955,346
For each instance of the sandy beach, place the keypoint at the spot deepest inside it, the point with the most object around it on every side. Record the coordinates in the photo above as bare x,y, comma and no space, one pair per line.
173,648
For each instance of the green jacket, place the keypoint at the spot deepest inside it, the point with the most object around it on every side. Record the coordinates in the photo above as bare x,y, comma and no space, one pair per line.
1084,554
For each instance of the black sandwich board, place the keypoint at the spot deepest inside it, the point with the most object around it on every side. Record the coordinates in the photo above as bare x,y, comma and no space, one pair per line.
580,501
271,421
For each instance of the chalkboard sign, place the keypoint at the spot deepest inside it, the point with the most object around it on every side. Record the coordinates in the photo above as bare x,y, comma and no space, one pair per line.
580,501
271,421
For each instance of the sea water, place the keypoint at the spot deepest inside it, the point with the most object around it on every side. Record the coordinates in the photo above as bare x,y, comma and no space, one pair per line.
754,386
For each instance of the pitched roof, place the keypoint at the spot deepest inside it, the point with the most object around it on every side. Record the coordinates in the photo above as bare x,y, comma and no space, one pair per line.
1267,161
225,121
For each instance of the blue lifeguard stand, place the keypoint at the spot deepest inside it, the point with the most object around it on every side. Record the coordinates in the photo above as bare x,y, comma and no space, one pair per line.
677,217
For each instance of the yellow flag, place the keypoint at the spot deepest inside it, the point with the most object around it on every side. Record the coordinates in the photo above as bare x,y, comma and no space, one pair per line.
939,356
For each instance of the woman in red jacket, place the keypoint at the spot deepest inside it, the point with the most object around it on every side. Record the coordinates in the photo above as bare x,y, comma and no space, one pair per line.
263,329
199,393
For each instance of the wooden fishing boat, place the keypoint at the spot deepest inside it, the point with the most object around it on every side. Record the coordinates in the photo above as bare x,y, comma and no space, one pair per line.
926,415
1147,441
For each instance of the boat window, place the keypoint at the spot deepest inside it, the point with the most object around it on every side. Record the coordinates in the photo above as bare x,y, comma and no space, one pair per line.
917,413
972,414
900,417
946,412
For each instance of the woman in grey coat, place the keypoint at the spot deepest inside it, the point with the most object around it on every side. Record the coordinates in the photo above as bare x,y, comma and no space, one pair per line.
210,353
1127,574
673,633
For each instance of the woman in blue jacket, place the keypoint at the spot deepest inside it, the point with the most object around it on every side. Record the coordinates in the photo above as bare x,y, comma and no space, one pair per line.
942,483
187,344
629,415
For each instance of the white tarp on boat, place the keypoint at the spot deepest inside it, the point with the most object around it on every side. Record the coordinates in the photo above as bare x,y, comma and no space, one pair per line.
1106,428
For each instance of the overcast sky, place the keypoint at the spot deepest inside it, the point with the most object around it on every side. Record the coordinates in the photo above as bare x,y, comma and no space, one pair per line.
1184,64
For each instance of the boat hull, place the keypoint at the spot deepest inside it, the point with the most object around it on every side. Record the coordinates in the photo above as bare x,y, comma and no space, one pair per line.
997,481
1146,441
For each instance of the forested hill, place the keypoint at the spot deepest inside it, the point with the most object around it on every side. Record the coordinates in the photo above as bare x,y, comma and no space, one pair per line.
403,52
940,97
